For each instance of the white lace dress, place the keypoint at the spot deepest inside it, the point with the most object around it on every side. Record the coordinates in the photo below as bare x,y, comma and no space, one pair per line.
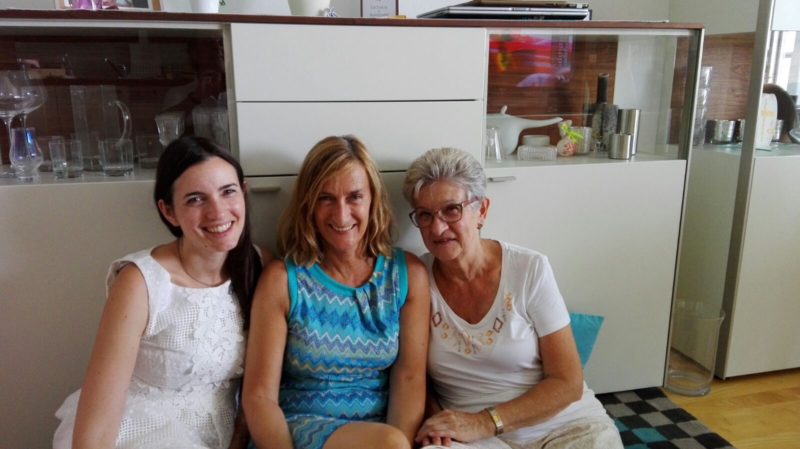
190,361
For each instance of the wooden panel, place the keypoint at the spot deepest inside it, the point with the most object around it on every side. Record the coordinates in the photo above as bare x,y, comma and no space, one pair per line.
514,63
308,63
555,94
752,412
275,137
730,57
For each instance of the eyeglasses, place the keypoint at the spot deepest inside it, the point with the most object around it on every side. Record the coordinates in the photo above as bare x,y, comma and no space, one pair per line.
450,213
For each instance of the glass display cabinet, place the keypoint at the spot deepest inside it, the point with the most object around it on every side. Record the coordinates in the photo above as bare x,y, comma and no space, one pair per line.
739,239
592,77
104,81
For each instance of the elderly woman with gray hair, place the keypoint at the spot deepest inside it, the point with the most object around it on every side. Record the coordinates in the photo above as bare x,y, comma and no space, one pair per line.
502,359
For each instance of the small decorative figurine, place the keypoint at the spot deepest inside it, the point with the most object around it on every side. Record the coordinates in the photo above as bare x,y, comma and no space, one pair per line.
566,146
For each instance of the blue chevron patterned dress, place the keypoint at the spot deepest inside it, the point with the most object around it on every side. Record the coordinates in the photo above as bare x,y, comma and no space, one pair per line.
340,346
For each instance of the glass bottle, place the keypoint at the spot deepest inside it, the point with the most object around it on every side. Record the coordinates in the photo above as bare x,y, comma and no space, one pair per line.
25,154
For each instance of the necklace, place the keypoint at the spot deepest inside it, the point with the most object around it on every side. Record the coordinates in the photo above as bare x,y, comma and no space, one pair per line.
183,267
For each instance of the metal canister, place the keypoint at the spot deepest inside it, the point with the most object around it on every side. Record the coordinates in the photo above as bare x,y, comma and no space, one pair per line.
628,123
620,146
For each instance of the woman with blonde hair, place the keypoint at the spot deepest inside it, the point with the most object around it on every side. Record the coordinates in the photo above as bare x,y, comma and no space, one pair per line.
337,348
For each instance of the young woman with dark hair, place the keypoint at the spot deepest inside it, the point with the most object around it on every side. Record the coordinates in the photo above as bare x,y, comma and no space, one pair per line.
169,353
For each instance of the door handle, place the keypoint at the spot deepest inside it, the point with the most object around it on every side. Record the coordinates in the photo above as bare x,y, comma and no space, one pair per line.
261,185
502,178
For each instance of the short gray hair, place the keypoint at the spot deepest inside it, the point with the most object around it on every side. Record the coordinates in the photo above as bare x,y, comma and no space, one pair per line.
445,164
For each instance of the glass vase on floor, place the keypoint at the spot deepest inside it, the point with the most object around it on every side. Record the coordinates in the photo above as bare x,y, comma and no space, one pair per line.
25,154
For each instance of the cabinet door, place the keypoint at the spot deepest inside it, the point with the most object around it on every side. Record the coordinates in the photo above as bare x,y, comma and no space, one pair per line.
348,63
275,137
764,334
611,234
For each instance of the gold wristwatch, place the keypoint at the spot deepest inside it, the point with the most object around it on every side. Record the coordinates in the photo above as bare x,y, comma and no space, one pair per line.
498,423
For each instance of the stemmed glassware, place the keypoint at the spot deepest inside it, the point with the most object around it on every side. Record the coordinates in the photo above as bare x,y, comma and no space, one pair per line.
18,97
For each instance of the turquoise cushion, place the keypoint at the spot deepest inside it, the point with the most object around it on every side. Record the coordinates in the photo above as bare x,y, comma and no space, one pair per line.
585,329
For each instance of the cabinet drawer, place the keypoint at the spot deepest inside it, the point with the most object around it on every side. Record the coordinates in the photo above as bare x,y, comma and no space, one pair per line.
349,63
275,137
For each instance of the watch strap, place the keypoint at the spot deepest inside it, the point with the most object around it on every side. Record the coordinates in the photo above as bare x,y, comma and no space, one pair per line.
498,423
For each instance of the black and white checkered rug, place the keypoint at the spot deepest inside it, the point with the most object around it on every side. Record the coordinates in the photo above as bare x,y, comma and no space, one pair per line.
646,418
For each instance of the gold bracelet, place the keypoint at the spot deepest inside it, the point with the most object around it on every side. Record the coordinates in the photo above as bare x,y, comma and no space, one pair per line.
498,423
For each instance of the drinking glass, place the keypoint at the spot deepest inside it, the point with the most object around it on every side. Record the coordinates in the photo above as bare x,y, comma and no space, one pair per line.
67,157
148,150
25,154
117,156
493,147
170,127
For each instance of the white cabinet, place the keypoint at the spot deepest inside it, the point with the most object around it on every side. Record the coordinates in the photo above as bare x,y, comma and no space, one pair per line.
401,90
764,334
760,327
56,244
275,137
611,233
357,63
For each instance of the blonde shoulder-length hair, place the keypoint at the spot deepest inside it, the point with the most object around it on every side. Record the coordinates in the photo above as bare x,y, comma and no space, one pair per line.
297,236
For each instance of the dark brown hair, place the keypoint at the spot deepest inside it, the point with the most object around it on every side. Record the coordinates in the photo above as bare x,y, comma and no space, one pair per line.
243,263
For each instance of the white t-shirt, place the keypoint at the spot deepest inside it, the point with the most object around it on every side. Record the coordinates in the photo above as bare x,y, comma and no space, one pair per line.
474,366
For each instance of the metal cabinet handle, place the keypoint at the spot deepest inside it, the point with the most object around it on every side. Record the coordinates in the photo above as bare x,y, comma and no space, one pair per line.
258,185
502,178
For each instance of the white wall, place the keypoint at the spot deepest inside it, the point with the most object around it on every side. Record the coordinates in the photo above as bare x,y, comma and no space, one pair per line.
624,9
719,16
28,4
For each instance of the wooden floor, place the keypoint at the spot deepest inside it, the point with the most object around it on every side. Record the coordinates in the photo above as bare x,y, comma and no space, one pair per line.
760,411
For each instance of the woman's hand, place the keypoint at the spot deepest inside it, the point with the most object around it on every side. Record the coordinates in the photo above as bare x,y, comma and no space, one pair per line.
449,425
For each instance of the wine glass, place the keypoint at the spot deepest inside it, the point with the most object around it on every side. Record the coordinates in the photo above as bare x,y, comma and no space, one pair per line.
16,96
36,94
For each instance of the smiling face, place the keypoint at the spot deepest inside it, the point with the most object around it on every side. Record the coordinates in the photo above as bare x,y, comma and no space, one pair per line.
341,211
448,241
208,206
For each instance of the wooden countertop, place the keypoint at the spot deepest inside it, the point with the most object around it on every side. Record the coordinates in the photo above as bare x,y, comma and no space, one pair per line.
70,18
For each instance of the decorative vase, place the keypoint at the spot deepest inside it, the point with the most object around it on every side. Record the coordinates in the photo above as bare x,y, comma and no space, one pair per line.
308,7
205,6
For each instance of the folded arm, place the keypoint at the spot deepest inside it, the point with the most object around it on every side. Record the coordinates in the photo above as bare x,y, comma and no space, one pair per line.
561,385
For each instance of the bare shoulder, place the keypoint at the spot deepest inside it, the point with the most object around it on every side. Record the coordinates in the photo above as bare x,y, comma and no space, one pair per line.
273,289
415,265
127,304
128,284
418,284
274,270
266,255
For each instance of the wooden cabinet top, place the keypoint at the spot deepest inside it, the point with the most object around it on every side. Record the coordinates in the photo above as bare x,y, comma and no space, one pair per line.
155,19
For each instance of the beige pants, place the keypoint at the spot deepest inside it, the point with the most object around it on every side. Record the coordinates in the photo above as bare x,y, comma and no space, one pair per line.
586,433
